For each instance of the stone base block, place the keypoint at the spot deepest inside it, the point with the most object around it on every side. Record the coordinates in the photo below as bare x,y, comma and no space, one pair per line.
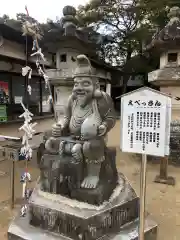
55,167
52,216
169,180
73,218
21,230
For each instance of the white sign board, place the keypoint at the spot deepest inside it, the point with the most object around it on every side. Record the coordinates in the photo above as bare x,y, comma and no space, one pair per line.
168,126
18,99
145,122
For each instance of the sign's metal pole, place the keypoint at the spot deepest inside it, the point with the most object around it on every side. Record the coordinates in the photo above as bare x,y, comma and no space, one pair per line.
142,196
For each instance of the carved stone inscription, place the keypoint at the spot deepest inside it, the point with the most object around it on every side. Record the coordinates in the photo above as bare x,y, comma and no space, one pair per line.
91,228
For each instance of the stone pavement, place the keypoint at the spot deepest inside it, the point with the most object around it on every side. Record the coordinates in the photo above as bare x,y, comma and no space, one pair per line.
13,130
162,201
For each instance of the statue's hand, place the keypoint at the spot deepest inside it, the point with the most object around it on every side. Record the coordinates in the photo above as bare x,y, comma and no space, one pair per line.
52,145
102,130
56,130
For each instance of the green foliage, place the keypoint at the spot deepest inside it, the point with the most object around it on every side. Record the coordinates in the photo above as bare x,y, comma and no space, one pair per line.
130,24
125,25
121,19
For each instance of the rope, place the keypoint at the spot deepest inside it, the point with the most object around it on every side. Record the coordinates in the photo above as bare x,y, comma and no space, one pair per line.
30,28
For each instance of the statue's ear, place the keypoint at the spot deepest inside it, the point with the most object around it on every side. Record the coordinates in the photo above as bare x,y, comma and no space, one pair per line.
97,91
97,85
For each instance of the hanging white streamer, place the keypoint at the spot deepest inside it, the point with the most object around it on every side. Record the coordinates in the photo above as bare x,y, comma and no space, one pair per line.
42,73
28,129
27,70
39,53
29,89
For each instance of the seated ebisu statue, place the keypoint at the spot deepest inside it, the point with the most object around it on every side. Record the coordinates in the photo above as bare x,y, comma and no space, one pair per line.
89,116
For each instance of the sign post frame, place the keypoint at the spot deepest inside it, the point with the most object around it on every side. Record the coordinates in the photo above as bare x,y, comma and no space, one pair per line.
142,196
12,185
147,144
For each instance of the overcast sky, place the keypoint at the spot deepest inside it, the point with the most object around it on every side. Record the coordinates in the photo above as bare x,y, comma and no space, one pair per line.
40,10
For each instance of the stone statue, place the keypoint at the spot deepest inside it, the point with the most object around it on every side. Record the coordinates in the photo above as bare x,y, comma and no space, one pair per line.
80,194
81,135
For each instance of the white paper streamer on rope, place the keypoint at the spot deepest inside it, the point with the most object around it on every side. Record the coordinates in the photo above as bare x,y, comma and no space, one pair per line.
29,89
42,73
28,129
24,211
39,53
27,71
24,189
28,28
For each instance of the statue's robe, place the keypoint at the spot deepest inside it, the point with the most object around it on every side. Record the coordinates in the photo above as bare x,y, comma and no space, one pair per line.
105,108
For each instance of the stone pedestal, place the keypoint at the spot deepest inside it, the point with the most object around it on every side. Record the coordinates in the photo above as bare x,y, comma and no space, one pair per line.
80,194
174,92
21,230
53,165
53,217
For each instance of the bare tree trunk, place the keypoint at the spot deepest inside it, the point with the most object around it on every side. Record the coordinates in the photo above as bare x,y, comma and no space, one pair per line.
126,72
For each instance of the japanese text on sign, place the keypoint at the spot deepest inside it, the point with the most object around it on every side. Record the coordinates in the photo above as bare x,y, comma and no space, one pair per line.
143,124
141,103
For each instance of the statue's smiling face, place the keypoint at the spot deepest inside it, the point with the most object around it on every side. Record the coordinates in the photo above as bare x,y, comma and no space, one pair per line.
83,89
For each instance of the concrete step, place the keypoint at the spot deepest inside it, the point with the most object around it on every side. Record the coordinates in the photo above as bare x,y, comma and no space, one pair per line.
21,230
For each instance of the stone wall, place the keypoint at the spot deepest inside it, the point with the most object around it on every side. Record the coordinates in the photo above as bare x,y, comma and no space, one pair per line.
174,157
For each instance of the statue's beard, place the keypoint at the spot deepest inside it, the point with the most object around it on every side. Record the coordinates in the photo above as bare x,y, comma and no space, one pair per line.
83,98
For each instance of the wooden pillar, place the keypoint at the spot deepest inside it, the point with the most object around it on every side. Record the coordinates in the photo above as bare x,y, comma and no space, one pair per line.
163,175
12,182
11,100
40,97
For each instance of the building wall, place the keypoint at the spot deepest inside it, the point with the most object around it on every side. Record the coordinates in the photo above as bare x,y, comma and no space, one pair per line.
11,78
13,91
175,92
17,51
70,58
164,58
66,63
10,66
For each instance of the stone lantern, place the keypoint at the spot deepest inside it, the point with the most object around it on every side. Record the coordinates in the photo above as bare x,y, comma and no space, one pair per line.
68,41
167,43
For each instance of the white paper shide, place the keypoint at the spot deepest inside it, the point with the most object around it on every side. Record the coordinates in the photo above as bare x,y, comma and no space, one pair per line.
145,122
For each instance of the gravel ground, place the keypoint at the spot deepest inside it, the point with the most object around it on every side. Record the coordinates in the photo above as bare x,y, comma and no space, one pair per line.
162,201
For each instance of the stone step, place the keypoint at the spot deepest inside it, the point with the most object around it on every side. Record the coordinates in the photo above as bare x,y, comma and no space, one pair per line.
130,231
21,230
70,217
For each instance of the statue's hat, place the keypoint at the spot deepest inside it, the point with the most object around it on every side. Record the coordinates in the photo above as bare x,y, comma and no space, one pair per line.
84,67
